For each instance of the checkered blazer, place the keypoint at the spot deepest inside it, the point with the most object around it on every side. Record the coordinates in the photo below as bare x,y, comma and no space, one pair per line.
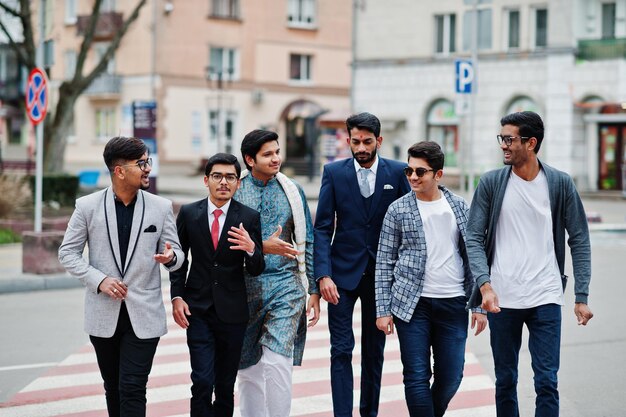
401,257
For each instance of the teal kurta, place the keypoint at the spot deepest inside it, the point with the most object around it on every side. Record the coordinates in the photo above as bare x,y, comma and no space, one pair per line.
276,298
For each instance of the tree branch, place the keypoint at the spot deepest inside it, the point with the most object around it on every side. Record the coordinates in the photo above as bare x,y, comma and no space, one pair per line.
27,30
9,10
115,43
87,41
21,57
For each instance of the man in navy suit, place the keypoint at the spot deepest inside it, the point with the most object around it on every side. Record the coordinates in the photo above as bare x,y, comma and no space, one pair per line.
353,200
224,237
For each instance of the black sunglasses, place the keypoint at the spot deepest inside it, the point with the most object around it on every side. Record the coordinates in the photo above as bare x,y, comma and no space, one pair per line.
420,172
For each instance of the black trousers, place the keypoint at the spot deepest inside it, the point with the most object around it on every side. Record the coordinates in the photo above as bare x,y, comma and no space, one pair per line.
125,362
215,350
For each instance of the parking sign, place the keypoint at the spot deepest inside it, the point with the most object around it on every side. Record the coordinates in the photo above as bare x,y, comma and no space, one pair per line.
464,73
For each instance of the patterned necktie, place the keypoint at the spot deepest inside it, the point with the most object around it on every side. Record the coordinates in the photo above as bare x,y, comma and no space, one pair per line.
364,184
215,227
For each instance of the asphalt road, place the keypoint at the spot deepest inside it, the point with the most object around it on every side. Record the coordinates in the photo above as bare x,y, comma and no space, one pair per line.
40,329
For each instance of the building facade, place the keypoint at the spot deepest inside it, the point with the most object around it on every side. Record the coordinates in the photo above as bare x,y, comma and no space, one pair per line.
565,59
215,69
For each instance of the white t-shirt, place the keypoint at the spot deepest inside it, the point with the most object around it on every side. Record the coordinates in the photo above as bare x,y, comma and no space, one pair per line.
443,277
525,272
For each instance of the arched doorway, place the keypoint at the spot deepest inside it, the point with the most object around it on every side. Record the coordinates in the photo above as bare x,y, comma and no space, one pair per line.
300,121
522,103
443,128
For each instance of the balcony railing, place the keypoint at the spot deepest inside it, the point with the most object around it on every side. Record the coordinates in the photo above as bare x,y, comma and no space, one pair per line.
105,85
594,49
108,24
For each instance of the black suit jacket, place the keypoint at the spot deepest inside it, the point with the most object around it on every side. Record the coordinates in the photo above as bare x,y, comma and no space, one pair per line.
216,277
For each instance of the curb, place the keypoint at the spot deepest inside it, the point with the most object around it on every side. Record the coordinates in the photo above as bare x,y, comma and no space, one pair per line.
32,282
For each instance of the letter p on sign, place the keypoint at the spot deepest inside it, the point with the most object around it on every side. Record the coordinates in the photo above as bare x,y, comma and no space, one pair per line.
464,75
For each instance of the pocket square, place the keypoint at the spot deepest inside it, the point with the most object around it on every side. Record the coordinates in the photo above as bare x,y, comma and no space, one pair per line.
150,229
388,187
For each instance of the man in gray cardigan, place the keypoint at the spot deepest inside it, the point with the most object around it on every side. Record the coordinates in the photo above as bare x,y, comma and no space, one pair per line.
516,247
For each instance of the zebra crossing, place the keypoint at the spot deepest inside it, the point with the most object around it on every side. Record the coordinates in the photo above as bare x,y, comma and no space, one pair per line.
73,387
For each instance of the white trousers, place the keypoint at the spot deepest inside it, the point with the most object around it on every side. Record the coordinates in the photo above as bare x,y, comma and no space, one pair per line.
265,388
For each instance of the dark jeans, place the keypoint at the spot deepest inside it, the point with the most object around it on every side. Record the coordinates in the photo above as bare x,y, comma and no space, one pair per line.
125,362
440,323
342,345
544,343
215,350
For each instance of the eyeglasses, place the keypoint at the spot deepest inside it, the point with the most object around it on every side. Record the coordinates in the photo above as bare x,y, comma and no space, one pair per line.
142,164
420,172
508,140
217,177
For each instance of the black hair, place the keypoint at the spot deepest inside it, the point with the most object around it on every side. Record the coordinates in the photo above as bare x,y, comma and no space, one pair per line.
253,141
364,121
430,151
121,149
223,159
528,123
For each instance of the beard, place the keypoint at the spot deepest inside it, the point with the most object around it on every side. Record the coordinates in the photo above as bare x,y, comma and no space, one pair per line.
364,157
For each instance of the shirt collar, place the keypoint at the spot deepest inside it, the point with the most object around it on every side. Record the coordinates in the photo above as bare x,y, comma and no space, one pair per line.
373,168
212,207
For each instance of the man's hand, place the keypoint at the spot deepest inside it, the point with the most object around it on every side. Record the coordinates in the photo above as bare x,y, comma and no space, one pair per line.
166,256
328,289
385,324
180,311
583,313
113,287
479,321
314,304
241,239
276,246
490,299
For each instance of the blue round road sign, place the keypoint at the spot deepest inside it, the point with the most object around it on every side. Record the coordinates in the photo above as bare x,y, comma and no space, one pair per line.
37,96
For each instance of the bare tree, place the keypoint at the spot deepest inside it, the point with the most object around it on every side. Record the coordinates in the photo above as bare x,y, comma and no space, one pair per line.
59,119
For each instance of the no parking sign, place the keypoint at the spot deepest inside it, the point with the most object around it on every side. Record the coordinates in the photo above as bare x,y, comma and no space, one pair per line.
37,96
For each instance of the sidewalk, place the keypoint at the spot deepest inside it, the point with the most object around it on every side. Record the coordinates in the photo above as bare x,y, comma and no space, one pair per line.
182,185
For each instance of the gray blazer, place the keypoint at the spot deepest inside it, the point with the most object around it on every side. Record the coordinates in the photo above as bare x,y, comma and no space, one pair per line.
94,223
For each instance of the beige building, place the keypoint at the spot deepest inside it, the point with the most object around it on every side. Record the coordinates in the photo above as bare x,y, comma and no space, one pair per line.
216,70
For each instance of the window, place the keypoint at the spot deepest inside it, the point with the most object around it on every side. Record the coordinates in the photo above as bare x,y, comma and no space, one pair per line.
541,28
228,9
301,13
100,50
105,123
513,29
70,12
483,32
69,63
608,20
445,34
223,62
300,67
107,6
222,127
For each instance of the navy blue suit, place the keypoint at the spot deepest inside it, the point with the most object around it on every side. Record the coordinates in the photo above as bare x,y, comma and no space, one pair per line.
353,224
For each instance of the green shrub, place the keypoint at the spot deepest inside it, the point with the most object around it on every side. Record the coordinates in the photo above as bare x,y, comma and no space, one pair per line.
61,188
7,236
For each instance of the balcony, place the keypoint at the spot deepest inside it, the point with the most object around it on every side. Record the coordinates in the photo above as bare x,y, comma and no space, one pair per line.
595,49
108,24
105,86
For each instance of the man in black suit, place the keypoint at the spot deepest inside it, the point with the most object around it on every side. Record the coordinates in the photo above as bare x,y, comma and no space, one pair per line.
212,303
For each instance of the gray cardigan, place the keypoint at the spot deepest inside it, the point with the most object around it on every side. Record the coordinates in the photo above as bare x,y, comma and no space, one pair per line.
568,215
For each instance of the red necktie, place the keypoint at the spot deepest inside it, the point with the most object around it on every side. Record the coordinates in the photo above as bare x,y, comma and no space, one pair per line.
215,227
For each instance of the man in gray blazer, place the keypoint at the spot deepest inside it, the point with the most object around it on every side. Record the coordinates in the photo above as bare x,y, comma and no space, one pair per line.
129,232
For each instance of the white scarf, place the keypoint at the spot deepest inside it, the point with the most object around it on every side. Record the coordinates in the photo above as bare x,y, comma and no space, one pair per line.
299,221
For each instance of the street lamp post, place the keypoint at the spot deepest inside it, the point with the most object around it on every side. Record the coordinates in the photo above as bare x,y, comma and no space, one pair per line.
218,75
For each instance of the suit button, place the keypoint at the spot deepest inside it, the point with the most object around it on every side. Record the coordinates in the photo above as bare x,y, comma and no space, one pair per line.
367,226
215,264
215,282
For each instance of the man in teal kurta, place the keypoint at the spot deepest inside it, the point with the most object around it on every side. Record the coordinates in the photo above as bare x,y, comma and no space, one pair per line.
276,333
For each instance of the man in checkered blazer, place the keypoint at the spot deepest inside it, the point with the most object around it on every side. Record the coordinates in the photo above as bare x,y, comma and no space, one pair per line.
423,283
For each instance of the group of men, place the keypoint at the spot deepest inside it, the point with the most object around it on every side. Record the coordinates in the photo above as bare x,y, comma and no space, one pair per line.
386,233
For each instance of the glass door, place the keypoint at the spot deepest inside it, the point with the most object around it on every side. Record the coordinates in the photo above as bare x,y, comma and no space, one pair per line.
612,156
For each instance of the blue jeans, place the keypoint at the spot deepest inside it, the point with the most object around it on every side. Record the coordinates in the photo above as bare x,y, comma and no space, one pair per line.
544,342
440,323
